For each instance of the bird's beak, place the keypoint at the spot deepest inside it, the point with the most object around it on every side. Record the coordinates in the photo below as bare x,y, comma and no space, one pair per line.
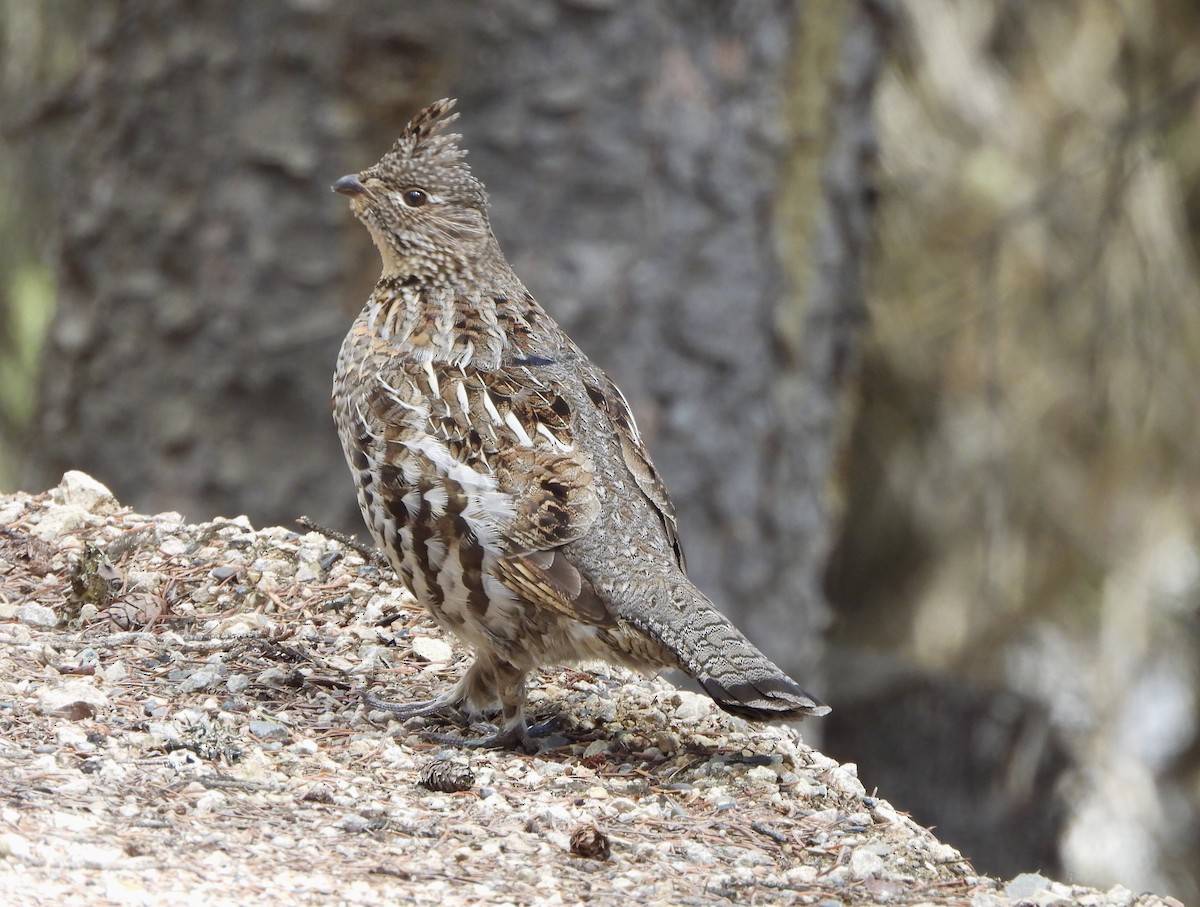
352,186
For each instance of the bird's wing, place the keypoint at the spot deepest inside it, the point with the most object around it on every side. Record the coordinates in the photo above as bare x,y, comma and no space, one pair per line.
500,441
608,399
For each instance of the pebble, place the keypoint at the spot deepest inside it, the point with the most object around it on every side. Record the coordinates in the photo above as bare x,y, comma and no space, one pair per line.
432,649
235,683
864,864
308,573
353,823
14,846
209,802
596,747
61,520
693,852
267,730
664,759
200,679
1025,885
845,779
691,706
762,776
754,858
61,698
173,547
78,489
800,876
36,615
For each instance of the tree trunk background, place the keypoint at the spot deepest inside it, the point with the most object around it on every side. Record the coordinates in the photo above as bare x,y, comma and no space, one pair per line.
663,177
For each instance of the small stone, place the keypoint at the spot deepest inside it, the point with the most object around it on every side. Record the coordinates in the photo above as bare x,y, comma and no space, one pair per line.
988,899
1118,895
209,802
60,520
307,573
761,776
74,700
353,823
173,547
72,736
554,815
37,615
944,853
267,730
1025,885
754,858
10,512
14,846
245,625
864,864
691,706
798,876
595,748
845,779
623,805
236,683
431,649
198,680
78,489
694,852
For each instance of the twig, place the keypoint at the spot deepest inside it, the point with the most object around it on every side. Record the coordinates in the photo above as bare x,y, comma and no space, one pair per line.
777,836
370,554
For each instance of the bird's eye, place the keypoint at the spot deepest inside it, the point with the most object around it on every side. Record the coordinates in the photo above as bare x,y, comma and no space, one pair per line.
415,198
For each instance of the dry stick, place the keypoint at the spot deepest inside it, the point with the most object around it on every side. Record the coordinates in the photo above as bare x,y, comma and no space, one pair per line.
776,836
370,554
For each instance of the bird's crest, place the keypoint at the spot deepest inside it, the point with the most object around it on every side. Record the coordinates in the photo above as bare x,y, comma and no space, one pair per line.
423,136
427,156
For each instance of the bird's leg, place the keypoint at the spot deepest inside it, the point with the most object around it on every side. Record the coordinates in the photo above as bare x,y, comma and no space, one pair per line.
507,685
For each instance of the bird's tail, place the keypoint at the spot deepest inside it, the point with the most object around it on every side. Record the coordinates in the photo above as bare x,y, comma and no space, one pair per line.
730,668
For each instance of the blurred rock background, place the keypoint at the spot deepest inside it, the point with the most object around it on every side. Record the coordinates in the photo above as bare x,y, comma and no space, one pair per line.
959,498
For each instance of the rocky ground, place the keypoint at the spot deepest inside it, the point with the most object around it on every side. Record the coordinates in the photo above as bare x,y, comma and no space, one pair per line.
180,723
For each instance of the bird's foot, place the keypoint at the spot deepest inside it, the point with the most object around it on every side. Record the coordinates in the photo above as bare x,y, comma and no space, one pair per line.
512,736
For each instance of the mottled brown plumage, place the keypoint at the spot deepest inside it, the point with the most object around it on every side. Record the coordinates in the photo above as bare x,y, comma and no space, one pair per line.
501,471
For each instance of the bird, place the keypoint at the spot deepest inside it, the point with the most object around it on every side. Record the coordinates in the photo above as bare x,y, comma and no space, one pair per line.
501,471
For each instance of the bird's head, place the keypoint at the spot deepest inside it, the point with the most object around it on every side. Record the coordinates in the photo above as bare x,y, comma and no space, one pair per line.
426,211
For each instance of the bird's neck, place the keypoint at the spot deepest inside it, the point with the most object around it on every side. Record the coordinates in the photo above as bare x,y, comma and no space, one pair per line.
453,323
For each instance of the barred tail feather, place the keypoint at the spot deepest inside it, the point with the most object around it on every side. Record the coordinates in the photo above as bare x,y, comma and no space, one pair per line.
739,678
771,698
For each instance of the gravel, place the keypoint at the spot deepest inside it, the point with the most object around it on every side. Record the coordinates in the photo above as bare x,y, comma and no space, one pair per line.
181,721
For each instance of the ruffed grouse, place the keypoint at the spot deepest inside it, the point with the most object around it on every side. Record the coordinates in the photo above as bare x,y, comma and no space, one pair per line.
501,471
